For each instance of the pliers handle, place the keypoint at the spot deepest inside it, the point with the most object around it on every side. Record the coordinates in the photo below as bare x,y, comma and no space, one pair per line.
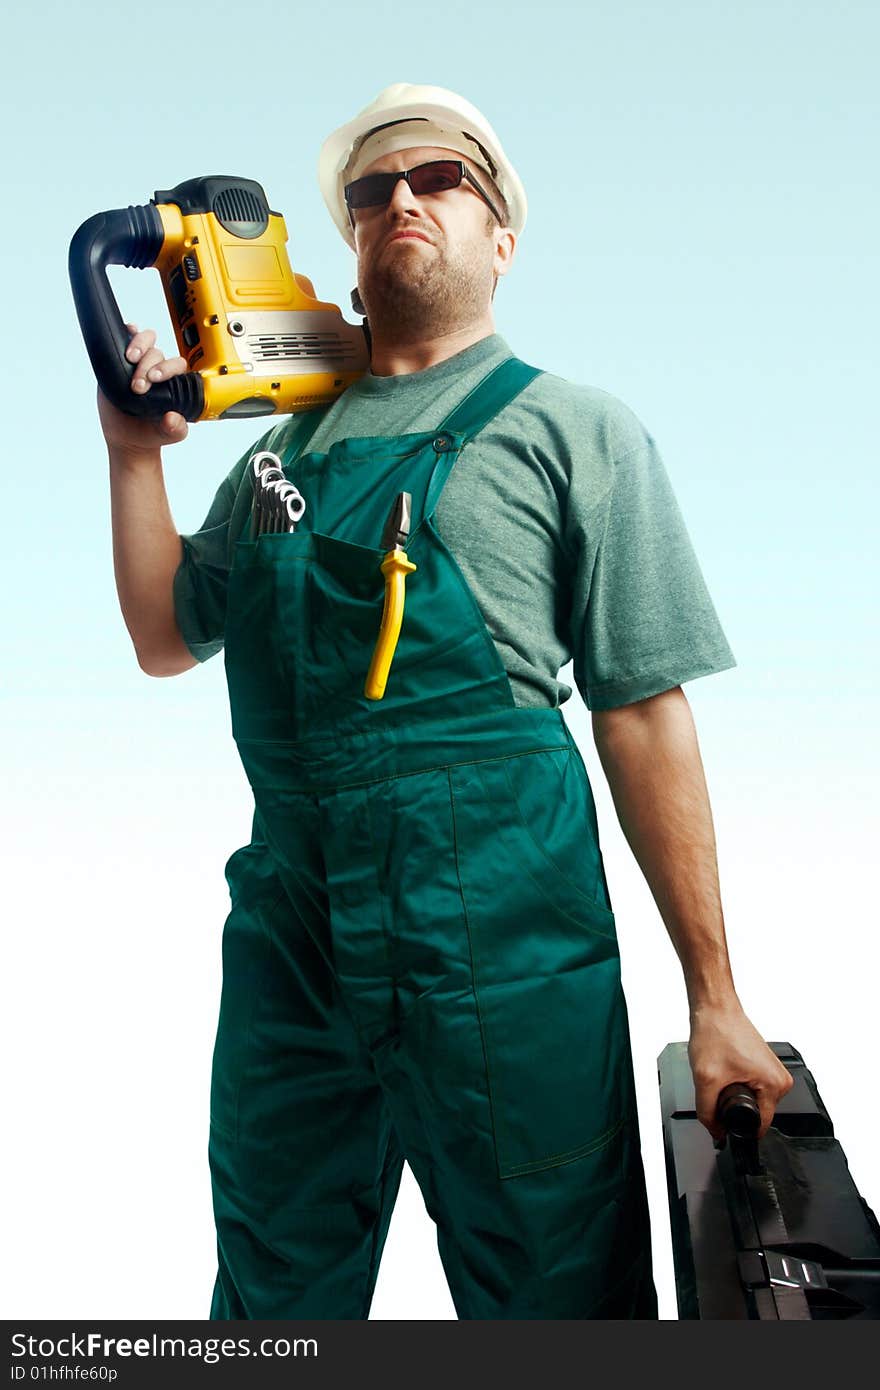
395,567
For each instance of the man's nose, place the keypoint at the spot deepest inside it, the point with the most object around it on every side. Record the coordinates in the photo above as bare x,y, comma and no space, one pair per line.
402,198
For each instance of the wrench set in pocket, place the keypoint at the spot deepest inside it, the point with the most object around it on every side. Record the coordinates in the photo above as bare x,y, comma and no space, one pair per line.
278,504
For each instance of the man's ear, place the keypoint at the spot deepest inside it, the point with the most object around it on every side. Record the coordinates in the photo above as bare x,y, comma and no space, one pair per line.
505,247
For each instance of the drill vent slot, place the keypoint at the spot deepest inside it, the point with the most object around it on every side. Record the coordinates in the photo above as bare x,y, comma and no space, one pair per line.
267,347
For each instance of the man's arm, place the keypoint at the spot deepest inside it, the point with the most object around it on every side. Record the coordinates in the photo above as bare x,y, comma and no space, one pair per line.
649,755
651,759
146,554
147,549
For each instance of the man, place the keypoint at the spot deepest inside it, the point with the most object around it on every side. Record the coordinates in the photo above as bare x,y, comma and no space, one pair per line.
421,959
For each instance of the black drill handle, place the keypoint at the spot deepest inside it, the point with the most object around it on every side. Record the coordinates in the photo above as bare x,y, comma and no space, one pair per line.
131,236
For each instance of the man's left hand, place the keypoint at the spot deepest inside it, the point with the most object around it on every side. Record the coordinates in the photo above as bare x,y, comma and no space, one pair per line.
725,1046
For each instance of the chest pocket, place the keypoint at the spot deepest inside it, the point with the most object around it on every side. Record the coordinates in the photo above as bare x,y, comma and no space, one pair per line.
349,494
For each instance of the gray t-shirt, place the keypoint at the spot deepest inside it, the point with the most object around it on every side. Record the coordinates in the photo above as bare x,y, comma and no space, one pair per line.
559,513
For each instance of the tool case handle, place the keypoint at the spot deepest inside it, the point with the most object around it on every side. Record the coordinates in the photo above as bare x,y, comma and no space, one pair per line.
737,1111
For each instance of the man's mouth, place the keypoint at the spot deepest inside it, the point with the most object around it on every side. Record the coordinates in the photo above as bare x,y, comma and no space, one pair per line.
398,236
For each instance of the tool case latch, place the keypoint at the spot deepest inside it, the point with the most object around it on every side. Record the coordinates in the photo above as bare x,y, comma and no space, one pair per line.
779,1268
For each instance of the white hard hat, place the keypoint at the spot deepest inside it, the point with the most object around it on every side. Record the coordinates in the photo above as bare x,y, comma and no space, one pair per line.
402,117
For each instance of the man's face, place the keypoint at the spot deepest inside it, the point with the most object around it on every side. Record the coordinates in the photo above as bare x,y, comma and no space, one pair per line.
441,279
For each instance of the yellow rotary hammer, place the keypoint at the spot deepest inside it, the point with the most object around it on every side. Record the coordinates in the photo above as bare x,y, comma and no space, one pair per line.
256,339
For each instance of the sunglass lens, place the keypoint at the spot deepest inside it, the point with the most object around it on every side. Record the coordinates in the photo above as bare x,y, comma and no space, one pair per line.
370,191
376,189
434,177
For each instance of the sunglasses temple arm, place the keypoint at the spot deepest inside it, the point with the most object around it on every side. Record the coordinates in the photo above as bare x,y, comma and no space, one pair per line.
485,197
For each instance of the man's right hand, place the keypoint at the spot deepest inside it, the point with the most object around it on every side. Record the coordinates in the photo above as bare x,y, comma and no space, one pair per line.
130,433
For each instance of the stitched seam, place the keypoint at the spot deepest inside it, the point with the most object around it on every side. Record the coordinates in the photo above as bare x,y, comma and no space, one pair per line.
556,1160
549,896
387,924
252,1012
416,772
232,1132
639,680
488,640
533,374
534,1165
590,901
369,1287
478,386
471,951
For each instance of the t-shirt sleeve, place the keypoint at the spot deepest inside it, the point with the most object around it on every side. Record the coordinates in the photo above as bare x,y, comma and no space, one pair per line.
202,578
642,618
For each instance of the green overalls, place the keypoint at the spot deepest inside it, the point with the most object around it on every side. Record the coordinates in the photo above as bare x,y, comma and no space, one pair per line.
421,960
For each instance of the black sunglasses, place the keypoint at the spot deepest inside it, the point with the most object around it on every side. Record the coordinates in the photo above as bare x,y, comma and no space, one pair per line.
375,190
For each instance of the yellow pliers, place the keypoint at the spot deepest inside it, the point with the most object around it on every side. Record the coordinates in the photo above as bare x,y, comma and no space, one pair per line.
395,567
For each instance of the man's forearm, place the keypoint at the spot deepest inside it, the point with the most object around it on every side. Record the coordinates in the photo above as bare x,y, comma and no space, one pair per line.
651,758
147,551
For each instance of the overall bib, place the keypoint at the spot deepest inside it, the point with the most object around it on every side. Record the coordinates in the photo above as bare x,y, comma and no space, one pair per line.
421,959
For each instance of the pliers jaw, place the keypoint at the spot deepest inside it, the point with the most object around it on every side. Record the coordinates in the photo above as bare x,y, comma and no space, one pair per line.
397,527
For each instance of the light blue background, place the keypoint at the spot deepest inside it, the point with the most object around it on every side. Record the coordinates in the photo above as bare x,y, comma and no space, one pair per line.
702,242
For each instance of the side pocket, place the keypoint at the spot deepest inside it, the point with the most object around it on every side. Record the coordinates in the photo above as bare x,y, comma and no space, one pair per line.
550,792
546,972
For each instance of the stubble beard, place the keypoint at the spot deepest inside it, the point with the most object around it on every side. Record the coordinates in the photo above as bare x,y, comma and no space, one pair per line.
411,292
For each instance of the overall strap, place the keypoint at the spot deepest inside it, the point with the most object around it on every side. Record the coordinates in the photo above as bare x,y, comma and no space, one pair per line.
300,429
496,390
490,395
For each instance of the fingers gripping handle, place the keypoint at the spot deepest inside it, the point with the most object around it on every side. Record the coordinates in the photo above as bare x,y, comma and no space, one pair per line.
131,237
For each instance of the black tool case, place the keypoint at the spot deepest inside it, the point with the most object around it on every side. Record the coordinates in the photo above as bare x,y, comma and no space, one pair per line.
773,1229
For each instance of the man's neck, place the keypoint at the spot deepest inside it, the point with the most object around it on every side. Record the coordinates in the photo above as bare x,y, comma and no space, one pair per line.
391,357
